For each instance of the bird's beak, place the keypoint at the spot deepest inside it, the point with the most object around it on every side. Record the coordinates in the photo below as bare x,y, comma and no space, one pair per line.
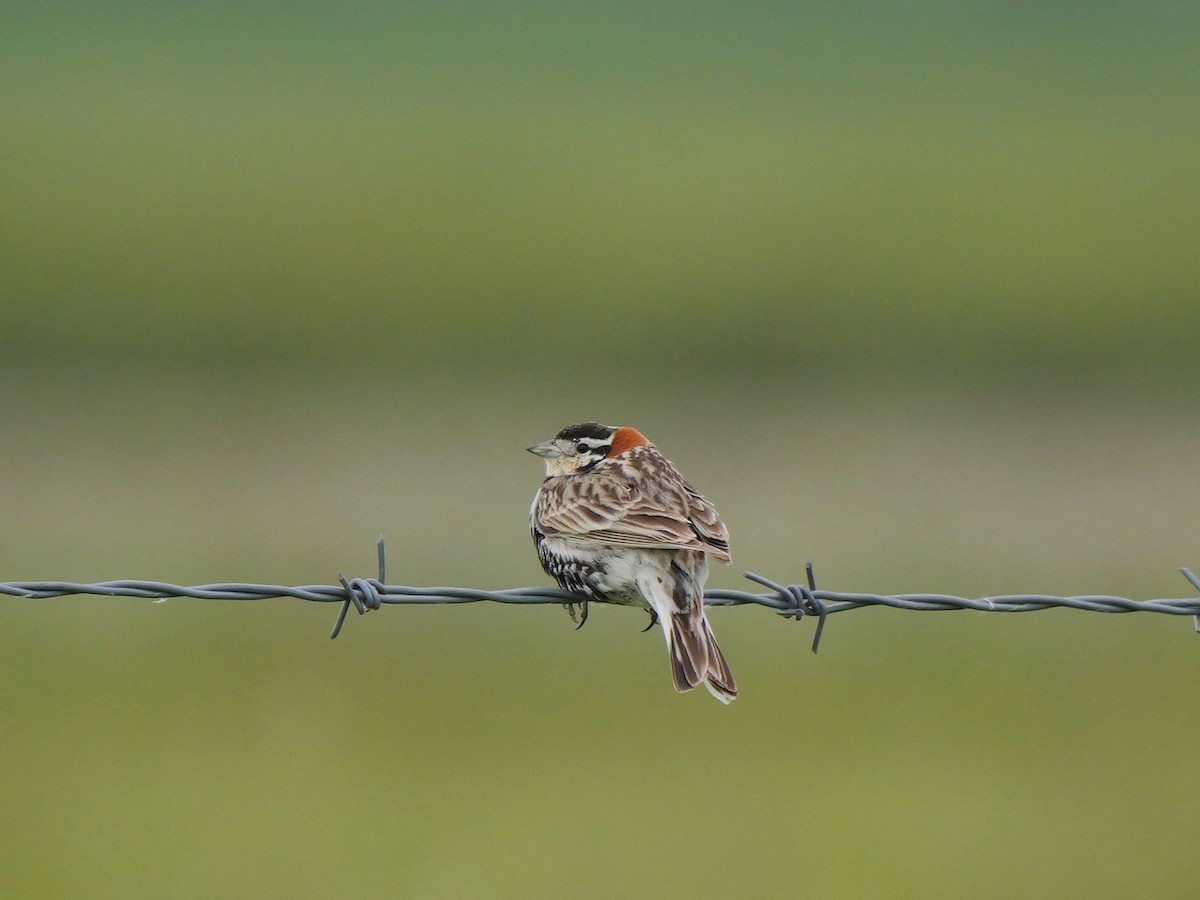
547,449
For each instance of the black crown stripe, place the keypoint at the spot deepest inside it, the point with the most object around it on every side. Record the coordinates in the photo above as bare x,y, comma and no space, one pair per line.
587,430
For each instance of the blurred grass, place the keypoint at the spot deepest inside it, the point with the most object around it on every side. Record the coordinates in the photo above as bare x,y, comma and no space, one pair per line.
1006,191
199,749
911,293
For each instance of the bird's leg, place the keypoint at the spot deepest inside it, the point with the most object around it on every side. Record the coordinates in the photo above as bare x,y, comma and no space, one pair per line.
653,621
578,618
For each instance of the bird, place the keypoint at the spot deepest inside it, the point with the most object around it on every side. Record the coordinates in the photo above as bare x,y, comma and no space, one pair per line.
614,520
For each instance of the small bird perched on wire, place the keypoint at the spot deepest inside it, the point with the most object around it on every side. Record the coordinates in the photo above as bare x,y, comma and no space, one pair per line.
615,521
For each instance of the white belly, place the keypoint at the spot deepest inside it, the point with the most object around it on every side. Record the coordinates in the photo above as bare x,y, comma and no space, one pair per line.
616,572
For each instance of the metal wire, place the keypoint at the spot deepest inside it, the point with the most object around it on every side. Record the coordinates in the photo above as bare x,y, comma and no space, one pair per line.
793,600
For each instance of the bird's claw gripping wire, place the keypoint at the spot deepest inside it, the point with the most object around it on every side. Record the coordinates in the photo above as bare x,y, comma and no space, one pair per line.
365,593
800,601
580,618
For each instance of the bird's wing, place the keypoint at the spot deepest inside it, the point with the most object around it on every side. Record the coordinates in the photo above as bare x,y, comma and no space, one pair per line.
707,524
671,515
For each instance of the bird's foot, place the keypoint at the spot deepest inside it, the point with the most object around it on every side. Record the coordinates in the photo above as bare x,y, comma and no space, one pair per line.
580,617
653,621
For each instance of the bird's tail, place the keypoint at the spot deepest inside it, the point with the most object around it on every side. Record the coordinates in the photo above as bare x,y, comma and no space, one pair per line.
696,658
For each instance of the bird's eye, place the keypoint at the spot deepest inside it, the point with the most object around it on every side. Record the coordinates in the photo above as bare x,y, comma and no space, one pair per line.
582,448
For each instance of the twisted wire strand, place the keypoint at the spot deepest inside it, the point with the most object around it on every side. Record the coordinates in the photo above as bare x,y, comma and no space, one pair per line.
836,601
793,600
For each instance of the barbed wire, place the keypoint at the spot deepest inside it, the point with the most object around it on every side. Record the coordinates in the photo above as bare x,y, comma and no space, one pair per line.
791,601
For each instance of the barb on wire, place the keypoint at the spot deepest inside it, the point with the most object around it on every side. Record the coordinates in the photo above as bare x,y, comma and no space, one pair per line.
1187,573
803,600
791,601
362,592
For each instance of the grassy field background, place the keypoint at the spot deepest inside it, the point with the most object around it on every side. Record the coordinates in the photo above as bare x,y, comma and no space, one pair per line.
913,295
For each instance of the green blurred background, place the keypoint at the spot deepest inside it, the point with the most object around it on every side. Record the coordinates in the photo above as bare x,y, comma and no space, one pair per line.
910,292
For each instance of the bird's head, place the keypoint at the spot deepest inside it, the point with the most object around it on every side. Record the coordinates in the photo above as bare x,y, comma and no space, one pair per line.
580,448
